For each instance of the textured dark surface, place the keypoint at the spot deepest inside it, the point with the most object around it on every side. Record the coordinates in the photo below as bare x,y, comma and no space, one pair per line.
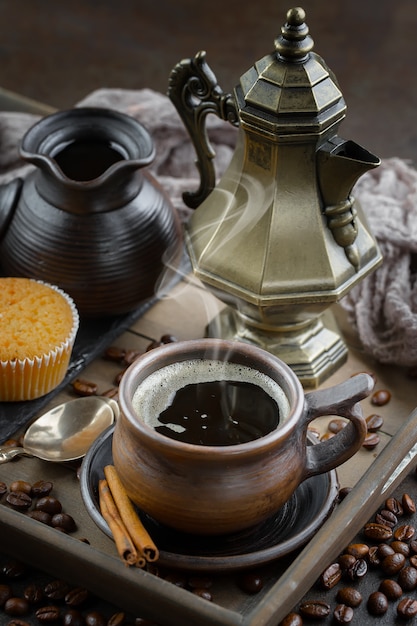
57,52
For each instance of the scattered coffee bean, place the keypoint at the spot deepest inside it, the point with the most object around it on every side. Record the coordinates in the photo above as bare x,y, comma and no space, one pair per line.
409,506
407,578
3,489
315,609
250,582
380,397
371,441
84,387
117,619
47,614
131,356
335,425
49,504
393,563
350,596
374,422
5,594
33,594
292,619
19,500
18,622
21,486
387,518
16,606
13,569
41,516
41,488
391,589
357,570
377,532
377,603
56,589
401,546
407,608
76,596
342,614
331,576
358,550
64,521
203,593
404,532
114,353
73,617
393,505
95,618
346,561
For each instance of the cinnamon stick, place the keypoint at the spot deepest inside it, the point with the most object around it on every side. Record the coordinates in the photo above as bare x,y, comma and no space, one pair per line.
124,544
140,536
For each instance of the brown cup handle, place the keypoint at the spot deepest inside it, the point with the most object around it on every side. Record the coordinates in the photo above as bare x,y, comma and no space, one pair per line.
339,400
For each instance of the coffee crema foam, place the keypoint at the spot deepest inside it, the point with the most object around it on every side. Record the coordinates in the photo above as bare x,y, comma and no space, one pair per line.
156,392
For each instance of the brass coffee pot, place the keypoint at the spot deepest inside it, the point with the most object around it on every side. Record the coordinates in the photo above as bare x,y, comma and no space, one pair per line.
280,238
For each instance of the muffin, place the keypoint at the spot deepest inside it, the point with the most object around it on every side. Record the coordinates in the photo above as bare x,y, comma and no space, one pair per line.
38,325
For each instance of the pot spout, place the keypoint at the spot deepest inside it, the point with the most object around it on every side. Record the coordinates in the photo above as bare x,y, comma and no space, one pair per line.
340,164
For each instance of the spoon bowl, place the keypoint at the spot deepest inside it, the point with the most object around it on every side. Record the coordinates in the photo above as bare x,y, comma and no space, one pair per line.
66,432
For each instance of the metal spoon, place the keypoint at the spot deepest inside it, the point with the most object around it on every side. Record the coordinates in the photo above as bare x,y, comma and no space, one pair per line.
65,432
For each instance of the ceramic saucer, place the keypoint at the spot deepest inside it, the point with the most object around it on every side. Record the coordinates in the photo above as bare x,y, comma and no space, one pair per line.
288,529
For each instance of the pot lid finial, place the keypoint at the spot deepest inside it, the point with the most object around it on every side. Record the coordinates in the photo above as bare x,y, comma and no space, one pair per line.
294,43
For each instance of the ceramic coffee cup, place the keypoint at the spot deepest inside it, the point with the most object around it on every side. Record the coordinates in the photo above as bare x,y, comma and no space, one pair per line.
207,486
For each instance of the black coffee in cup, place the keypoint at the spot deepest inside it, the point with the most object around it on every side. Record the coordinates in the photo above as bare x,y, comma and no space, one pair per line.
211,403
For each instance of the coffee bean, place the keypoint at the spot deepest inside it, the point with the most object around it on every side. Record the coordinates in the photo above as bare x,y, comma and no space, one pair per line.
5,594
404,532
203,593
336,425
47,614
49,504
18,622
393,505
292,619
373,556
21,485
393,563
76,596
113,393
41,516
371,441
407,608
114,353
19,500
251,582
358,550
346,561
131,356
64,521
384,549
343,492
388,518
16,606
3,489
117,619
41,488
409,506
56,589
407,578
13,569
84,387
401,546
73,617
374,422
377,532
94,618
391,589
377,603
343,614
380,397
349,596
413,546
33,593
413,560
315,609
331,576
357,570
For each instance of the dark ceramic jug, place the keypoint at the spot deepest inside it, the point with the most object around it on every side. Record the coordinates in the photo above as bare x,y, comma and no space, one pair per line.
89,218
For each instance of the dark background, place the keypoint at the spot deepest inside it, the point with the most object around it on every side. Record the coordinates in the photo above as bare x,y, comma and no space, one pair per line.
57,52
